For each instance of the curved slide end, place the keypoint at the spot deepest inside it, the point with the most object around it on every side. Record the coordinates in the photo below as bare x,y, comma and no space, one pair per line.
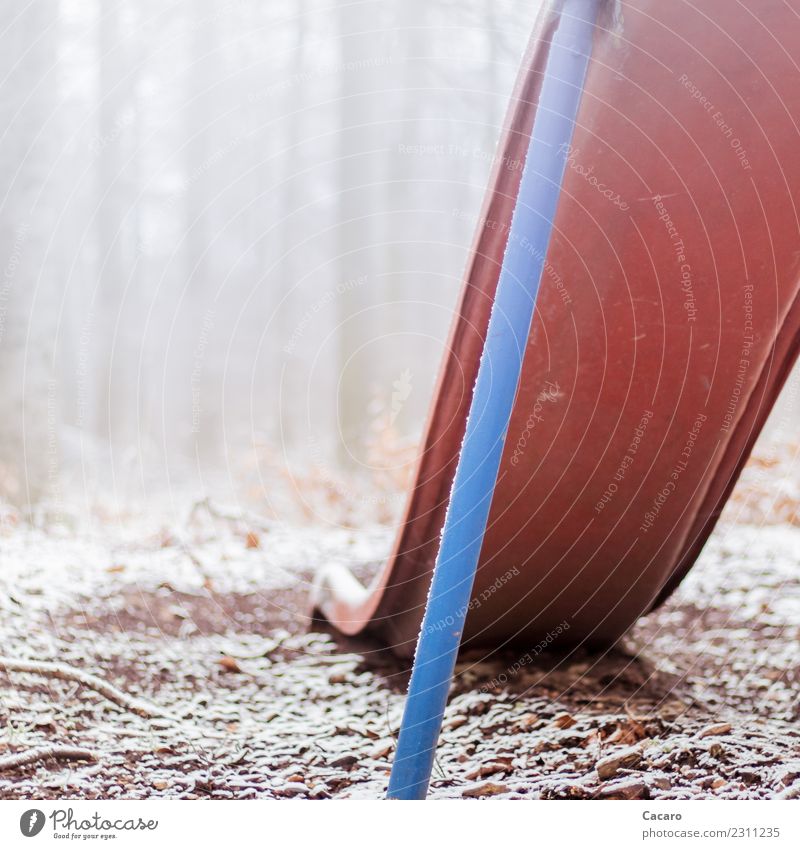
341,598
667,319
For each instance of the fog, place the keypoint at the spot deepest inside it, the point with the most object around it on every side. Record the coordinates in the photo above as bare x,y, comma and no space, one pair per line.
232,233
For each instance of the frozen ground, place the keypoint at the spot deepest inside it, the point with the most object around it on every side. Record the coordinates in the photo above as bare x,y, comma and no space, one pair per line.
204,618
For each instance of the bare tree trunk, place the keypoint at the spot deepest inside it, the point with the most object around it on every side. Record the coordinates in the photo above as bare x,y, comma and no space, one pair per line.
117,223
292,197
29,204
197,410
359,225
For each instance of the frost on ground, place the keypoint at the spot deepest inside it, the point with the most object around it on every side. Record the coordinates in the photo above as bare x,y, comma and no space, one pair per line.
204,620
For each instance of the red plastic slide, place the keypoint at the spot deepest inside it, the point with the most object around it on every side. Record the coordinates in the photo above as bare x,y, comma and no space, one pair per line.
667,320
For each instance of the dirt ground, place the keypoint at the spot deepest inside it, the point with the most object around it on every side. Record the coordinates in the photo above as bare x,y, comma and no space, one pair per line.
203,620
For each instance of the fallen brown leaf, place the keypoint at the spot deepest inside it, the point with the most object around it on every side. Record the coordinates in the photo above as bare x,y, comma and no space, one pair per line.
626,788
382,750
627,733
488,788
485,770
229,664
610,765
715,730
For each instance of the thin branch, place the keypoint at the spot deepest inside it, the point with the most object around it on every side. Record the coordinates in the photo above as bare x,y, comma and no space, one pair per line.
64,753
201,568
240,517
92,682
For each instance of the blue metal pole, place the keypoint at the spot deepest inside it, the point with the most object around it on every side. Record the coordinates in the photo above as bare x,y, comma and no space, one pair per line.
493,399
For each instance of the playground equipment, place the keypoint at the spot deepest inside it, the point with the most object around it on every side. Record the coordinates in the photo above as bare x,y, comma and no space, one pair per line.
653,233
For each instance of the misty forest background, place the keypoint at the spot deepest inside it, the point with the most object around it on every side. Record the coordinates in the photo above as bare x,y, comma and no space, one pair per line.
231,239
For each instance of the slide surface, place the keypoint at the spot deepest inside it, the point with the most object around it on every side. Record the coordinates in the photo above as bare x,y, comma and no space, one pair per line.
667,319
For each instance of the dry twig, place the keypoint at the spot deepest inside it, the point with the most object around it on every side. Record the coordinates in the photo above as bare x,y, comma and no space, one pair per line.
92,682
64,753
238,517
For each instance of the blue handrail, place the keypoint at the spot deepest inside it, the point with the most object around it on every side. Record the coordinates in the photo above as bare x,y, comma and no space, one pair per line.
493,399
